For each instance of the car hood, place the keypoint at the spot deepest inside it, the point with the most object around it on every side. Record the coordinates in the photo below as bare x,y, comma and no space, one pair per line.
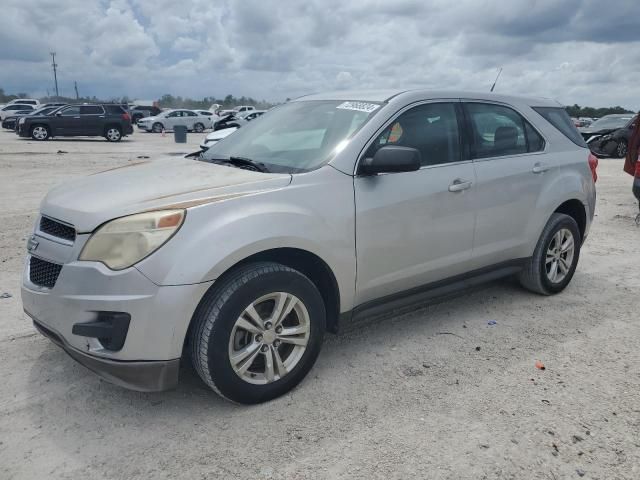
167,182
597,131
219,134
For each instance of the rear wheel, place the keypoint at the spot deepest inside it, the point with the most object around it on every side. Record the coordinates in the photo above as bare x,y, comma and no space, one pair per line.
198,127
258,333
157,127
113,134
40,132
555,258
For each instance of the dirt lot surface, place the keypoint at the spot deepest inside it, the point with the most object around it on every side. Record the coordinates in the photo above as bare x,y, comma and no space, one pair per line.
430,393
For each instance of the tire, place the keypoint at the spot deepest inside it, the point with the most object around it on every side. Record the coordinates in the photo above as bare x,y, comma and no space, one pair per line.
113,134
538,275
198,128
135,119
621,149
40,133
216,335
157,127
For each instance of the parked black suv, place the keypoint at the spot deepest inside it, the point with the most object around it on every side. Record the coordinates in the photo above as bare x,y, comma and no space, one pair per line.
609,136
104,120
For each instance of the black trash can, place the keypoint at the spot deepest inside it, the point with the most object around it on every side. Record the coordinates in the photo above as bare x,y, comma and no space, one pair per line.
180,133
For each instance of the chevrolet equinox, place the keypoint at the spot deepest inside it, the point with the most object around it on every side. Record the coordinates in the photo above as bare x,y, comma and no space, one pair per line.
328,207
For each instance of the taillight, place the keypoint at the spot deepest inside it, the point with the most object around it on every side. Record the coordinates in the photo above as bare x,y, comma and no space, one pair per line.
593,165
126,117
637,172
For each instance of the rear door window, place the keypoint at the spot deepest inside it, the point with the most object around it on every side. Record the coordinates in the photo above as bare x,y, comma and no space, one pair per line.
559,118
91,110
499,131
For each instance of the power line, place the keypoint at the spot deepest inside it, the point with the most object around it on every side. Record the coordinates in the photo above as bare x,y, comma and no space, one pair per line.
55,73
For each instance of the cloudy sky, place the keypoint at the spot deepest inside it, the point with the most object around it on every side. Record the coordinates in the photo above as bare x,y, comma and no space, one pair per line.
577,51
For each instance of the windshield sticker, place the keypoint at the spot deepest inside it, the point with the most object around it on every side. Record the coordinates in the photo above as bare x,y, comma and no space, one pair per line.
359,106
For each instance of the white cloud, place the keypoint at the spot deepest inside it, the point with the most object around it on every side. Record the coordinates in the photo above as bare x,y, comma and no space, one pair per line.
577,51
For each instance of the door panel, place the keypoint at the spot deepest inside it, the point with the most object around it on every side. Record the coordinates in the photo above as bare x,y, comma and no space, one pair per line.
411,230
68,123
510,176
415,228
91,120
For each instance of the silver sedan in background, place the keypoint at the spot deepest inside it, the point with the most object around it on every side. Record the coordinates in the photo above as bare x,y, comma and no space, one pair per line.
193,120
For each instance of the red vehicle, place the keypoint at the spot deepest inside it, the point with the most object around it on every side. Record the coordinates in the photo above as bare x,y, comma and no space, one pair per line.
632,163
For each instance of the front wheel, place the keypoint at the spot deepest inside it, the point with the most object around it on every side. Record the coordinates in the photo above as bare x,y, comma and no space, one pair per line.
621,149
157,127
198,127
258,333
555,258
40,132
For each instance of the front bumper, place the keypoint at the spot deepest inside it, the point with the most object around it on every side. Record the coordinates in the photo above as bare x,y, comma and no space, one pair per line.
84,292
142,376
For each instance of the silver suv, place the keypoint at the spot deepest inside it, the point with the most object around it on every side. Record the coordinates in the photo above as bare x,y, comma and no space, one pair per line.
330,207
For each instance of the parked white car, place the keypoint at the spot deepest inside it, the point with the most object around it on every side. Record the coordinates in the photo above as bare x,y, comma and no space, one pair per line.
12,108
215,137
168,119
26,101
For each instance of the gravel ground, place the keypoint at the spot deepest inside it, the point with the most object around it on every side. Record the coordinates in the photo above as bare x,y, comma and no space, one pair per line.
435,392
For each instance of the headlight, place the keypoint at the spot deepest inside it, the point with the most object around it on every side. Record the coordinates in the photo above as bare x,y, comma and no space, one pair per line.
125,241
22,120
606,137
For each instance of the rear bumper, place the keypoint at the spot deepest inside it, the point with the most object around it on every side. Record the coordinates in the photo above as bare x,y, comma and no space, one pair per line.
143,376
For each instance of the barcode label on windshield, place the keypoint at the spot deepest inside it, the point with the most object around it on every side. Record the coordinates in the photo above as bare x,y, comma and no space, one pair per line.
359,106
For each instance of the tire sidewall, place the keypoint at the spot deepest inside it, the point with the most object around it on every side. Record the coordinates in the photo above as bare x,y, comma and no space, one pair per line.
559,222
198,127
157,130
222,374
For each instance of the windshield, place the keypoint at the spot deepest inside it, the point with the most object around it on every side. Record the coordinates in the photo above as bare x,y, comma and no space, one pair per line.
611,122
295,137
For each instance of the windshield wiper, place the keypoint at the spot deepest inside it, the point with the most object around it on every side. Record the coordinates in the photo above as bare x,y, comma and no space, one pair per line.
243,162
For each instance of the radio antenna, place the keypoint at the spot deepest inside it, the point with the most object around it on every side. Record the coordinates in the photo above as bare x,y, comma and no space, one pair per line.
496,80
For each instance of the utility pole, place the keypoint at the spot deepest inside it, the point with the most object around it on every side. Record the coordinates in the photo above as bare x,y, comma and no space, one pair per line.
75,85
55,73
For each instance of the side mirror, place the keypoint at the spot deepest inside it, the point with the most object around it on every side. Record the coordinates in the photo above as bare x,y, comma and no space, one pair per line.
392,159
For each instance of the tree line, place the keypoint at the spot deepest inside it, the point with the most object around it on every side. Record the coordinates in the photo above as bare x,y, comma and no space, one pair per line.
169,101
577,111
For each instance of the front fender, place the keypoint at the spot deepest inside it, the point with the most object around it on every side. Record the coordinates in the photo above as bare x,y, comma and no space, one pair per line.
315,213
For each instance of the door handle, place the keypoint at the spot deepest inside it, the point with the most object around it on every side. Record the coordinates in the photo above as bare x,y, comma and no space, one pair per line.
459,185
539,168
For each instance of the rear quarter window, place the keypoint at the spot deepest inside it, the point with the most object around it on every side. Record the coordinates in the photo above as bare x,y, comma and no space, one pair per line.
114,109
559,118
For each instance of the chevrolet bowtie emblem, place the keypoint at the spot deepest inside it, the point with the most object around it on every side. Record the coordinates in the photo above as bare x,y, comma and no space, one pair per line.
32,244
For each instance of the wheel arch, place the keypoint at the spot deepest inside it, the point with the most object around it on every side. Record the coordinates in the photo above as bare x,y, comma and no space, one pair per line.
304,261
576,210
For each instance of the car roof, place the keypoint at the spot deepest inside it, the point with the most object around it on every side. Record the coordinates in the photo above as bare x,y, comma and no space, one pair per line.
386,95
620,115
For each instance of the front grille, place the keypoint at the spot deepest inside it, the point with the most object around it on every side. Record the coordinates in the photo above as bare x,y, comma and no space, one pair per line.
57,229
43,273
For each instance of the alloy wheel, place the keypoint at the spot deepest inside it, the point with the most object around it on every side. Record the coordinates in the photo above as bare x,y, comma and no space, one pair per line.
40,133
269,338
113,134
559,256
621,149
